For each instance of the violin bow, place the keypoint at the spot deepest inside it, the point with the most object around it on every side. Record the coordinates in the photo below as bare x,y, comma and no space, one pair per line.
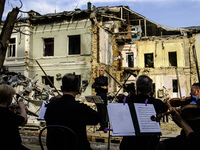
178,82
196,62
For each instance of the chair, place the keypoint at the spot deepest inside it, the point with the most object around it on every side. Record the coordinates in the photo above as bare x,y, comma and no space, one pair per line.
59,138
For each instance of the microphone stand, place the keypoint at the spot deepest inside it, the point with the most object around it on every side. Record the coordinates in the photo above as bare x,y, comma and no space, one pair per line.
112,77
123,85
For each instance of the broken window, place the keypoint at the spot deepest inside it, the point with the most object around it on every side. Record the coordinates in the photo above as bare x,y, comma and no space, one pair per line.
175,85
172,59
129,59
49,47
11,51
79,76
74,44
149,60
46,81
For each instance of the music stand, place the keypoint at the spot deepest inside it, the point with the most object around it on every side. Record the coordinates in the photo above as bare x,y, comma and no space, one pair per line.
94,99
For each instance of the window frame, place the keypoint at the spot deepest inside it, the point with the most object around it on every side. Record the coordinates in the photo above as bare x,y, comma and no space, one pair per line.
44,79
7,51
145,61
69,44
46,49
127,59
169,56
174,91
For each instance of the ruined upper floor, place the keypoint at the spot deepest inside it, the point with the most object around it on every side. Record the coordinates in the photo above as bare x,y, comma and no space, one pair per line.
124,23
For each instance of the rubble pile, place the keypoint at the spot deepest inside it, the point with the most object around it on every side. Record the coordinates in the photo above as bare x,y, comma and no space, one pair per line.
30,91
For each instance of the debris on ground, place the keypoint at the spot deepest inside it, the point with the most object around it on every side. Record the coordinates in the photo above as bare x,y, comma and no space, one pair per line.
31,92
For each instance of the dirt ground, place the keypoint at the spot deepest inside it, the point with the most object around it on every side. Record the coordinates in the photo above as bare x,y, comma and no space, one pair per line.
169,128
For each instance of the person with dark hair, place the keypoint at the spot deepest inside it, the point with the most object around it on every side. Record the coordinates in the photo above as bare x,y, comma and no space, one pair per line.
190,134
144,87
68,112
100,85
195,89
10,137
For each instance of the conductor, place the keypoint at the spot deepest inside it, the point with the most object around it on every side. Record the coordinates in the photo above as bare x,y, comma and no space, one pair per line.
100,84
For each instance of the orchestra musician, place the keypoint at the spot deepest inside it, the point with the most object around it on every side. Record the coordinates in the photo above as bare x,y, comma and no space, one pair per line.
189,137
100,85
68,112
10,137
194,92
144,87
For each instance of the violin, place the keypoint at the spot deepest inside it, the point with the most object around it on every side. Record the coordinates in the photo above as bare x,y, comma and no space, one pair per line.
159,116
188,111
176,102
52,99
14,108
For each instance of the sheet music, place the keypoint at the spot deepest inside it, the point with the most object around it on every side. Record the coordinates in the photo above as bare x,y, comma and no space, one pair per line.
42,111
120,119
144,113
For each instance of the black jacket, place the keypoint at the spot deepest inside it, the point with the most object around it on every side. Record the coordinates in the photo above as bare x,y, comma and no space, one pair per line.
101,81
73,114
10,137
143,142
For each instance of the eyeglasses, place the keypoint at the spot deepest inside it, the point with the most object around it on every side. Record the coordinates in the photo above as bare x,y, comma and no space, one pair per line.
101,70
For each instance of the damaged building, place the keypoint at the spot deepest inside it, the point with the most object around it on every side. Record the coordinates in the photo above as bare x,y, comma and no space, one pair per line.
116,38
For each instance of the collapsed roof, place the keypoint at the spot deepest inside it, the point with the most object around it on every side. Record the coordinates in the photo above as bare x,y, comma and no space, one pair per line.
122,14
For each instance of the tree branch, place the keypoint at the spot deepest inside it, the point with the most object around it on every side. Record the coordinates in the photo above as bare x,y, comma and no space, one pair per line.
6,33
8,26
2,4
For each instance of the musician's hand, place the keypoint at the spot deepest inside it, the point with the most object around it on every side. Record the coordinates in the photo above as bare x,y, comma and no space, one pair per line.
181,122
21,105
104,87
23,112
176,116
169,105
165,100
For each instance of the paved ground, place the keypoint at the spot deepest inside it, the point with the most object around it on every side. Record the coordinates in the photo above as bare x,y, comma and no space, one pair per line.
98,140
34,147
94,146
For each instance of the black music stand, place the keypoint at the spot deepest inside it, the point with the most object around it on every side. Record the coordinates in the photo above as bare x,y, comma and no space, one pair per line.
94,99
136,120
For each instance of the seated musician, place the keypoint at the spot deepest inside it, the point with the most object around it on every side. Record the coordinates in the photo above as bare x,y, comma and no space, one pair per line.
194,93
68,112
189,137
144,88
10,137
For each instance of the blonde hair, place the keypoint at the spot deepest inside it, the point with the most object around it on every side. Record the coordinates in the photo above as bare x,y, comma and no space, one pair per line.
6,92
